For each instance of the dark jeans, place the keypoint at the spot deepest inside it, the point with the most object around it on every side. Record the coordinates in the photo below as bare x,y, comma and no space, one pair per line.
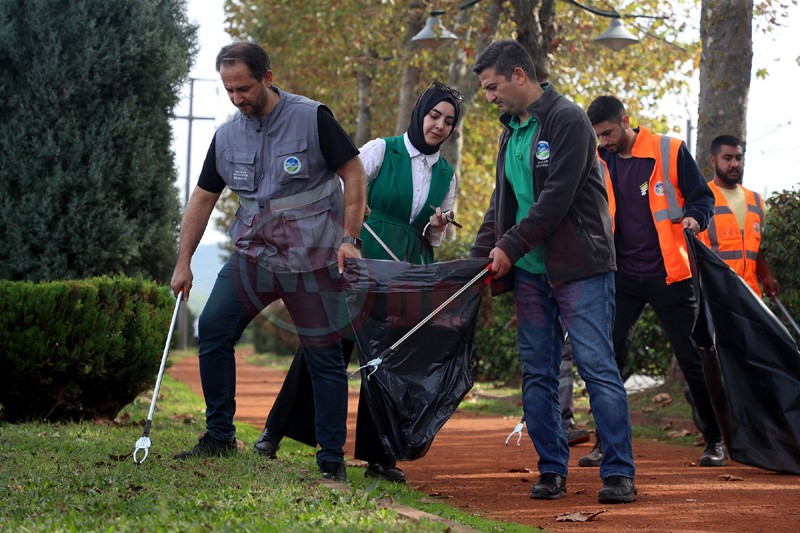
676,308
586,308
292,414
241,291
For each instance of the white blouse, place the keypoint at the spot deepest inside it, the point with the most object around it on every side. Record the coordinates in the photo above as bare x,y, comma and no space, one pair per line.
372,154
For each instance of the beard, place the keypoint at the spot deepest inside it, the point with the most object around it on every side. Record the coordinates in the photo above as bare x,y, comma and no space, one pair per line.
730,179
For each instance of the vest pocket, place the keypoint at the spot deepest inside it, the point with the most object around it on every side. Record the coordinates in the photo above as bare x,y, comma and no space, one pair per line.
240,170
291,159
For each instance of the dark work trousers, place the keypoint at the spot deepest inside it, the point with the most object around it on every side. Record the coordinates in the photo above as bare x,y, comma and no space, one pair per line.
676,308
292,414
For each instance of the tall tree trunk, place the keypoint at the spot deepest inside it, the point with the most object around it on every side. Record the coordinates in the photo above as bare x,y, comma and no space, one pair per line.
364,119
460,74
417,13
536,30
726,32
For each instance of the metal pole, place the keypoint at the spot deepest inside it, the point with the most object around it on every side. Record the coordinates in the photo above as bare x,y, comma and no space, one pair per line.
183,323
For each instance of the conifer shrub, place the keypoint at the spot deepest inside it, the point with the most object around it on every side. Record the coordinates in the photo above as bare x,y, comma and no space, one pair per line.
79,349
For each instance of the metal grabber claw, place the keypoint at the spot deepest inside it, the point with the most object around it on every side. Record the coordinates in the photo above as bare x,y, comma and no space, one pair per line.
518,430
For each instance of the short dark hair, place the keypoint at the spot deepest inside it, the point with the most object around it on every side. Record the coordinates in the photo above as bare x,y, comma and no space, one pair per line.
251,54
724,140
504,56
606,108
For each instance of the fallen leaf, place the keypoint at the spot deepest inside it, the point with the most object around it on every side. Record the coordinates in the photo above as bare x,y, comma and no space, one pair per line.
678,433
578,516
662,398
120,457
522,470
729,477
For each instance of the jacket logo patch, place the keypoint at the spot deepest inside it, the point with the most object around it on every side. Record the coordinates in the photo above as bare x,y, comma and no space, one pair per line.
292,165
659,189
240,175
643,189
543,150
756,227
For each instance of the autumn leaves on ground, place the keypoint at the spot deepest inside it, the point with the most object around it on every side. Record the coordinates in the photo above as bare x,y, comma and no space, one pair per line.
469,466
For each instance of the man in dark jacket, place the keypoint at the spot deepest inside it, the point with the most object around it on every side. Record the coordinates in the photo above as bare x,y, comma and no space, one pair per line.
548,233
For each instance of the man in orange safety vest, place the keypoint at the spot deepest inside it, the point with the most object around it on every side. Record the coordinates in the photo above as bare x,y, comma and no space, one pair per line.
734,232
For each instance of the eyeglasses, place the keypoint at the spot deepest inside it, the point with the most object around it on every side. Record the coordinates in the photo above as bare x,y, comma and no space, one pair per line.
445,89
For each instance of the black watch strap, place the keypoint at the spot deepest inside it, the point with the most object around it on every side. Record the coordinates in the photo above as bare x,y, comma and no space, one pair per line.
355,241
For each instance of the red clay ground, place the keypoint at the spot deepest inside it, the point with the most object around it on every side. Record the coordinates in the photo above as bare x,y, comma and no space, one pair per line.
469,467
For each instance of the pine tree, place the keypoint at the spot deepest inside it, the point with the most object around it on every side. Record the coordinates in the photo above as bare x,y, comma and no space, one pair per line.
87,178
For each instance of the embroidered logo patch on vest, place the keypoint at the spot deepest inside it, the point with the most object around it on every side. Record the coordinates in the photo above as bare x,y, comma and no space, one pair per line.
659,188
543,150
643,188
756,227
292,165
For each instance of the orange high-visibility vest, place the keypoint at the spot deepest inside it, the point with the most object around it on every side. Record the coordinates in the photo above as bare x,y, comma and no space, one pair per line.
665,198
738,248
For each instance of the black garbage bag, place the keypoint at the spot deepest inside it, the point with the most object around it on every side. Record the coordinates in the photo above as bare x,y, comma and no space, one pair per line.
416,387
751,365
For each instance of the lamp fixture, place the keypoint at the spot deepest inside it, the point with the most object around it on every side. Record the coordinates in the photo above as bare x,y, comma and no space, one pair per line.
616,36
434,34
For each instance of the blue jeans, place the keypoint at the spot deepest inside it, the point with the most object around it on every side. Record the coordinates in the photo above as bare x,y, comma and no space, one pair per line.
586,308
243,290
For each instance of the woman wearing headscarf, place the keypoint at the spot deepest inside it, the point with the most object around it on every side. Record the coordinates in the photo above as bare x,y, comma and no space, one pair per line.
410,186
410,191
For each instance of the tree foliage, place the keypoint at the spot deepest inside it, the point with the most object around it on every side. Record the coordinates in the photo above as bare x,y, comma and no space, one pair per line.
780,245
320,48
87,178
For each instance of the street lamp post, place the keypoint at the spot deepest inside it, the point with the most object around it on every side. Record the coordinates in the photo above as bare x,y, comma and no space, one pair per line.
183,323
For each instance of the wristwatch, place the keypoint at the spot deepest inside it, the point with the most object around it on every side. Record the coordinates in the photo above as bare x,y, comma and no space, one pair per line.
355,241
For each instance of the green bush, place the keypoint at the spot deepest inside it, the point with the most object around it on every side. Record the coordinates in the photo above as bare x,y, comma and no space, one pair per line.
274,332
780,246
72,350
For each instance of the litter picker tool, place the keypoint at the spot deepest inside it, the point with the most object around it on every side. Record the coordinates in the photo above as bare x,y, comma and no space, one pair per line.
517,431
383,244
786,314
373,363
144,441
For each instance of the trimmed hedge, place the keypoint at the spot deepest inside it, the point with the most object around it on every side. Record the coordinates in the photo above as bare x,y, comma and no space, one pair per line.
72,350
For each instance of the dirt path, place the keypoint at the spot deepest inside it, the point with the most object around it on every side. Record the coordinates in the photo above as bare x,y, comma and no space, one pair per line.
469,467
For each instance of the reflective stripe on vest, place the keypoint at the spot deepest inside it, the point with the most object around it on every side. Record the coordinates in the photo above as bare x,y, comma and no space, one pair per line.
674,211
296,200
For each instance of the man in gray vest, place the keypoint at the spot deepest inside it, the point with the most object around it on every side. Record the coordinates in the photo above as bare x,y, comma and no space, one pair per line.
283,155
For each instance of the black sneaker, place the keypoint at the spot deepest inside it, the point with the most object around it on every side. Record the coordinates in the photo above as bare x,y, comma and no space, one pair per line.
334,471
714,454
617,489
268,444
209,447
550,487
385,472
594,457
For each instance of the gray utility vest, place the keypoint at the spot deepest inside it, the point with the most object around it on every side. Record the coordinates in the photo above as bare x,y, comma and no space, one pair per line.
291,205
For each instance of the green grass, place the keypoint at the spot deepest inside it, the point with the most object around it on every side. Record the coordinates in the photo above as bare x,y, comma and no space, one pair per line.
81,477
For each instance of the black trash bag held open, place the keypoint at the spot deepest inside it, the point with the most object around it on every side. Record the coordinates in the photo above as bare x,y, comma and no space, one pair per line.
416,387
751,365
